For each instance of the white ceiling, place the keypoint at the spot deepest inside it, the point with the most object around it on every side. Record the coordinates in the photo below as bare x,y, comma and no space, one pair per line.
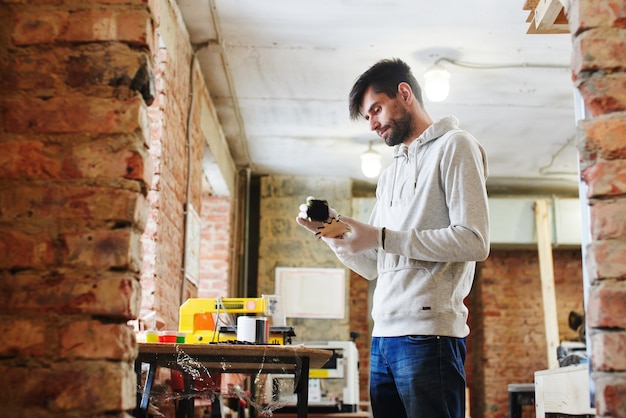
280,71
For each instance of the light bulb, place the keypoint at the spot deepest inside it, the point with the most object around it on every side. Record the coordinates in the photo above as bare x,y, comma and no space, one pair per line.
370,163
437,83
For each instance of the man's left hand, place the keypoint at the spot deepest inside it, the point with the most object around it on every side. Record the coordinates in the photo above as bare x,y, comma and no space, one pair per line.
361,237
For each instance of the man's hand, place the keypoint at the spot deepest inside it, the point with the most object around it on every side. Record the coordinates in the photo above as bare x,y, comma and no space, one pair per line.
304,221
361,237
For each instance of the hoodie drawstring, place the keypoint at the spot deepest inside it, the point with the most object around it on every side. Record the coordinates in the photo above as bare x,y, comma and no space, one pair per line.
401,152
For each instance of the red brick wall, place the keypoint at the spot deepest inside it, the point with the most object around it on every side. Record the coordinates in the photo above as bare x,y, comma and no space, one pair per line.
599,72
74,169
507,341
168,192
177,148
360,322
215,250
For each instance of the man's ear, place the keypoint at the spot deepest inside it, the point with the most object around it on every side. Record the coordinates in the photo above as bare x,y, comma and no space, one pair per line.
405,92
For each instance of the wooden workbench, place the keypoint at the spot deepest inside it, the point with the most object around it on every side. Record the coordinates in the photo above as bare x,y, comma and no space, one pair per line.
230,358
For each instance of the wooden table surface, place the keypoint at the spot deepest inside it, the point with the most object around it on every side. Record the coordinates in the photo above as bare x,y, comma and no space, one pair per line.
229,356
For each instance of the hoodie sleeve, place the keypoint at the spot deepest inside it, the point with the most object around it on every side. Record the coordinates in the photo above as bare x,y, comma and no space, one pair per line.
363,263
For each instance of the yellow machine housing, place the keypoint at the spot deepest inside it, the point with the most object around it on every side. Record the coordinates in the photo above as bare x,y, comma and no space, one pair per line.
198,319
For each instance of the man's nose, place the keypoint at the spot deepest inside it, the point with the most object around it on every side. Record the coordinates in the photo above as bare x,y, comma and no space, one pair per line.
374,124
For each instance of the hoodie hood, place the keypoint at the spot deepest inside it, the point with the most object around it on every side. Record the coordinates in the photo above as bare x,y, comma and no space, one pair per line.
411,155
434,131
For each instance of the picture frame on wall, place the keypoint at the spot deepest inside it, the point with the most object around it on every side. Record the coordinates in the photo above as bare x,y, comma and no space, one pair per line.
309,292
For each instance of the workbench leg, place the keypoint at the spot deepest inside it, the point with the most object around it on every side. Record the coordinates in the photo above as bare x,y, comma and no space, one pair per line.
515,408
143,398
185,405
302,388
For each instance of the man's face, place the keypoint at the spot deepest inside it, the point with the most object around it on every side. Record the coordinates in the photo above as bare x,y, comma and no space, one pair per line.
388,117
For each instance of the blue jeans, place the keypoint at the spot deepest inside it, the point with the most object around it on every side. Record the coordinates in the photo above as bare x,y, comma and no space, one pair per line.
417,377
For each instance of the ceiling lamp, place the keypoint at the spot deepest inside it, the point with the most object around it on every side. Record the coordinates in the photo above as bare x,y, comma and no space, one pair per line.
370,163
437,83
437,78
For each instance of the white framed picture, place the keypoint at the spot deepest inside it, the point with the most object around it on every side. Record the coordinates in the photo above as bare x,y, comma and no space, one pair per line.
312,292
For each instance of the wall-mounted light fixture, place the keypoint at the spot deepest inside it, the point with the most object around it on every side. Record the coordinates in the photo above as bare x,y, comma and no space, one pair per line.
371,162
437,78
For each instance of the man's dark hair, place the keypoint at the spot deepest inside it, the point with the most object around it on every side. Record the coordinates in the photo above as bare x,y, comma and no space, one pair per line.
384,77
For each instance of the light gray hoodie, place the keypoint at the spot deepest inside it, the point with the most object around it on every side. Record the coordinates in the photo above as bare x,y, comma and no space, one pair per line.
433,203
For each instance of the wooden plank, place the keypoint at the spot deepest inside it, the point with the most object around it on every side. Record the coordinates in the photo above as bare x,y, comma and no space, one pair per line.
530,4
546,14
558,29
563,391
546,267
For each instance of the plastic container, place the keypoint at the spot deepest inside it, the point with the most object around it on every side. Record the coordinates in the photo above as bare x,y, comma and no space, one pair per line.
168,336
152,336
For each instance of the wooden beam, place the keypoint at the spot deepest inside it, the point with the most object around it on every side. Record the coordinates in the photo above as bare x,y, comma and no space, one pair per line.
557,29
546,14
546,267
530,4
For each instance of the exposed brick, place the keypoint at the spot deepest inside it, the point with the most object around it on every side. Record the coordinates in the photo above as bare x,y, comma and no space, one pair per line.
105,293
106,158
30,159
95,70
359,322
92,70
603,93
115,249
507,323
80,205
604,137
606,305
610,389
605,259
605,178
95,340
98,24
609,351
607,219
78,115
599,49
28,72
598,70
132,26
38,26
20,250
22,337
585,14
87,386
76,2
215,246
74,169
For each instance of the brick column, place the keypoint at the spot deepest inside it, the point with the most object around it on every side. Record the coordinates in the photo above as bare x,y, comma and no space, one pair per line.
599,70
74,171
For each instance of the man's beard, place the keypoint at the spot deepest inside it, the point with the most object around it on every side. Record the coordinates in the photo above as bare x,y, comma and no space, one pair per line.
400,128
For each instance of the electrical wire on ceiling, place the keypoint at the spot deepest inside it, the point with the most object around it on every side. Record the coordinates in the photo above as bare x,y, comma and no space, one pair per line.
479,66
546,168
437,77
